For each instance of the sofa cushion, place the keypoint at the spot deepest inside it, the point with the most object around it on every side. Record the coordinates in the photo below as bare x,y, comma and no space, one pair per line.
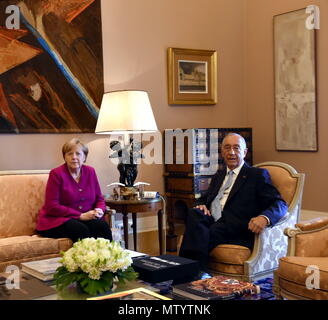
229,258
226,268
292,275
22,196
64,244
24,247
230,254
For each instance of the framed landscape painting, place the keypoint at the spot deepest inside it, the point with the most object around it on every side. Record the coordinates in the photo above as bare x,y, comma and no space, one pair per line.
51,67
192,76
295,82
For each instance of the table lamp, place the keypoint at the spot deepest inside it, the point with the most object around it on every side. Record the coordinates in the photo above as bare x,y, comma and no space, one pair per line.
126,112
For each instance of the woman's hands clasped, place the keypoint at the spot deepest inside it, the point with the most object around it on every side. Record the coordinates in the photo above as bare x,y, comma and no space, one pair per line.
96,213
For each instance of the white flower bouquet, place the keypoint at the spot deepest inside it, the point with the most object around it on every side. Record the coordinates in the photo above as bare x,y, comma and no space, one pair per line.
94,264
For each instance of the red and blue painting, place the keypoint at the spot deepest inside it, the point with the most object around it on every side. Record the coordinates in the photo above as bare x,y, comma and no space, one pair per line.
51,66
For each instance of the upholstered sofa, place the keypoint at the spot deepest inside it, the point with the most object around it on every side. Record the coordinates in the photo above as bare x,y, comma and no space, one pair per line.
306,259
21,197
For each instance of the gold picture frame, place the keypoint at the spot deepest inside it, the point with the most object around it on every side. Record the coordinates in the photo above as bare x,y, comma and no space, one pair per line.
192,76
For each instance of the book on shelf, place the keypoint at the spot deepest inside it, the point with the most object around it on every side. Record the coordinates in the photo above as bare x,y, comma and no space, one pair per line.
42,269
133,294
215,288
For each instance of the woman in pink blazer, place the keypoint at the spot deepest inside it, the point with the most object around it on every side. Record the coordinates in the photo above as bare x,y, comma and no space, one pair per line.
74,205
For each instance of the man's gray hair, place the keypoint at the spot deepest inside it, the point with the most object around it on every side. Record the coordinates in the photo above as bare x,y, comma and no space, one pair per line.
243,142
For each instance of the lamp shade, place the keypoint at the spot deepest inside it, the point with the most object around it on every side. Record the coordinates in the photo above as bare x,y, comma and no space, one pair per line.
125,112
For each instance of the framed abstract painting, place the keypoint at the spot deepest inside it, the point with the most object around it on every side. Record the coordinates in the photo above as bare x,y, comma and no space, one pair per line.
295,82
51,67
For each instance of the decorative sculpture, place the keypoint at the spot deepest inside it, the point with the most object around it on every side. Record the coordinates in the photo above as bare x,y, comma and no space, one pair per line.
127,156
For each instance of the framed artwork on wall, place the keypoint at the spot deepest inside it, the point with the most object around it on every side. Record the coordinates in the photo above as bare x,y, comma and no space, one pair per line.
192,76
295,82
51,67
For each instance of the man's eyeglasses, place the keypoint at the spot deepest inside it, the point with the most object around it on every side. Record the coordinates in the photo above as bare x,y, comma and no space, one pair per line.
234,148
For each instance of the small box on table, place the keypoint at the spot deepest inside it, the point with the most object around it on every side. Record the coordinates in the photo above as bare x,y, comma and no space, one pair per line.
164,268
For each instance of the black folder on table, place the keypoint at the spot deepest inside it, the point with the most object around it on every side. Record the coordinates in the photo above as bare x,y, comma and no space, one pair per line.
165,267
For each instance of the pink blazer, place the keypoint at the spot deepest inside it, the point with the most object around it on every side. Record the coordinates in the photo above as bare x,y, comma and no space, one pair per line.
66,199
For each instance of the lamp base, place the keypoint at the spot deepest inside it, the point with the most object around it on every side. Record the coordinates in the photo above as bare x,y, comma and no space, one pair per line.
129,193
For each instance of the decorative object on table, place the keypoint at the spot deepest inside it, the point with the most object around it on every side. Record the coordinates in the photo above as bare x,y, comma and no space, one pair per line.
128,193
151,195
128,156
165,267
141,188
46,86
295,82
42,269
192,76
123,113
94,264
216,288
133,294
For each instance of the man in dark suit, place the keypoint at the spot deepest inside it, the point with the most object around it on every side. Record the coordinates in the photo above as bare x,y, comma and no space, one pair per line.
240,202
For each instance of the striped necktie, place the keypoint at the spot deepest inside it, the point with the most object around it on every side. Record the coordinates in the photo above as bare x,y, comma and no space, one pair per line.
216,205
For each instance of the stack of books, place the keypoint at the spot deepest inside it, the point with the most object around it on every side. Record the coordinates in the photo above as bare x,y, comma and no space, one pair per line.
215,288
42,269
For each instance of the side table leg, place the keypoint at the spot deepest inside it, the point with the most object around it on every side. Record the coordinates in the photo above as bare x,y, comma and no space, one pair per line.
126,231
134,227
160,230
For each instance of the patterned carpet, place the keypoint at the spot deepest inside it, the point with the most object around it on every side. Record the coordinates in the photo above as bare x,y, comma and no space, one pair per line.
265,293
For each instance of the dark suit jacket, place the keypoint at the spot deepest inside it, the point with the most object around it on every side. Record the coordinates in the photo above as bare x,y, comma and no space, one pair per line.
251,195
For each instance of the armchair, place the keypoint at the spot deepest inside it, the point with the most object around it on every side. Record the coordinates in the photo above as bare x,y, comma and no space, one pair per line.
307,246
271,244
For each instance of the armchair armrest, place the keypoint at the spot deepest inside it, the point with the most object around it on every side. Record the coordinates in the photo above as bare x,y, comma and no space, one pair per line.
308,239
313,224
269,246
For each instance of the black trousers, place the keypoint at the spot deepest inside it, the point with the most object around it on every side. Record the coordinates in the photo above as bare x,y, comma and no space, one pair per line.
77,229
203,234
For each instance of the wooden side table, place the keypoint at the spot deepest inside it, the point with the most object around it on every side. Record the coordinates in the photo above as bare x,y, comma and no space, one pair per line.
138,206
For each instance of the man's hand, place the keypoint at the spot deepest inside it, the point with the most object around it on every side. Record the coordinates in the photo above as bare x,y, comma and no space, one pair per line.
257,224
203,208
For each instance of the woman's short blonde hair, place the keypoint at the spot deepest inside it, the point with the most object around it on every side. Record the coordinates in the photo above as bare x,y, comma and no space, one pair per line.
67,147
